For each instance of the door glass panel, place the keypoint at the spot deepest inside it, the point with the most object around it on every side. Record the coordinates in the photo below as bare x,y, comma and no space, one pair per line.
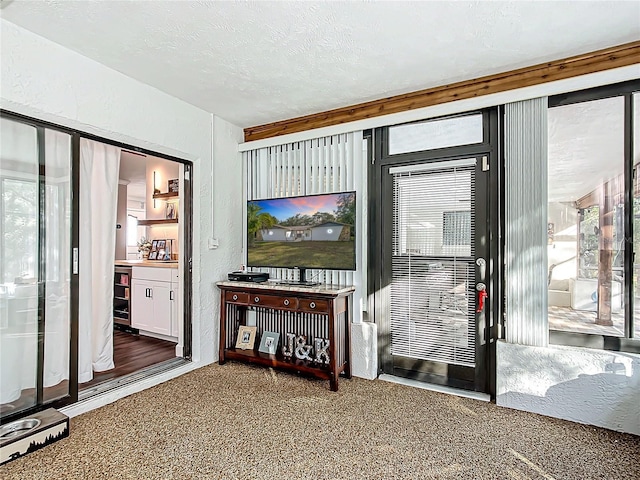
34,266
585,226
57,213
18,266
448,132
432,286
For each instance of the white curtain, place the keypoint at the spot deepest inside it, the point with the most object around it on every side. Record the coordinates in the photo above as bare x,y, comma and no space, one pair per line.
99,170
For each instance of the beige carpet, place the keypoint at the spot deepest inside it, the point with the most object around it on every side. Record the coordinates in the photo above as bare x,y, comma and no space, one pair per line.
241,422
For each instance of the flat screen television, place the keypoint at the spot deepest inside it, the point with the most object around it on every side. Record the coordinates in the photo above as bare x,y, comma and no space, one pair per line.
312,231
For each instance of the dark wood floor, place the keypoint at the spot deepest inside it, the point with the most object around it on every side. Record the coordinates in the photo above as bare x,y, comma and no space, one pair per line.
131,353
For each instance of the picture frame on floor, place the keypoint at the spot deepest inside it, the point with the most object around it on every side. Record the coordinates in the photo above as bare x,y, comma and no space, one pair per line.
269,342
246,337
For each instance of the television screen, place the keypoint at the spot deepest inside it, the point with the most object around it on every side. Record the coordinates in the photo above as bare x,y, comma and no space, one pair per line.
314,231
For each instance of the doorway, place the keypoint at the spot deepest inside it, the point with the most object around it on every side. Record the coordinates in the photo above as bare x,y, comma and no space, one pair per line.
132,322
434,280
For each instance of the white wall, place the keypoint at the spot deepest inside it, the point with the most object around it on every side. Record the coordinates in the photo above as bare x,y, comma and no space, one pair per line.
225,214
44,80
595,387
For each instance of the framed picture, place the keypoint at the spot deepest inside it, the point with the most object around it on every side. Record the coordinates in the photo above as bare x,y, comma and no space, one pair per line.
269,342
246,337
161,244
171,211
173,185
153,255
154,245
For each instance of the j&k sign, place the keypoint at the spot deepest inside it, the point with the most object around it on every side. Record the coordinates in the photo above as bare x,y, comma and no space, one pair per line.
297,345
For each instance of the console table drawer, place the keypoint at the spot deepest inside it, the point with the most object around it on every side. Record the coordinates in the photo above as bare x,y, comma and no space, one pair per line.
237,297
320,306
272,301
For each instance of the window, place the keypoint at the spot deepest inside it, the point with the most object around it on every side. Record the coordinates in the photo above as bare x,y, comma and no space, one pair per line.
456,228
588,178
432,134
19,229
132,231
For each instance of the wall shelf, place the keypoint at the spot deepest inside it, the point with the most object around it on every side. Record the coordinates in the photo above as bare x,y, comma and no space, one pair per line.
161,196
159,221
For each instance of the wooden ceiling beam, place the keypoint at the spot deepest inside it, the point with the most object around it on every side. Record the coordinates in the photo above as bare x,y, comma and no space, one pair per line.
608,58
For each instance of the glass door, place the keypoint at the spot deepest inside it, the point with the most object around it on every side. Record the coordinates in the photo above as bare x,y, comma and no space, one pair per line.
435,259
35,244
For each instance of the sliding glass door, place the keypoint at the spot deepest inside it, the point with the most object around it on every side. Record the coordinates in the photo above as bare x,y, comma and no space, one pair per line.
42,341
35,245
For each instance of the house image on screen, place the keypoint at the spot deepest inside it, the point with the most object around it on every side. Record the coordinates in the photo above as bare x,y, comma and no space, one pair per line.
327,232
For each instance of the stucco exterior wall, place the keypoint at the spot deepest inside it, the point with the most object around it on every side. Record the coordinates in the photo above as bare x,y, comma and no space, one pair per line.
583,385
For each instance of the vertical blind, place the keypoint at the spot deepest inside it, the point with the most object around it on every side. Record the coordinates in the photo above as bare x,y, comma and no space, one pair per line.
432,266
526,222
322,165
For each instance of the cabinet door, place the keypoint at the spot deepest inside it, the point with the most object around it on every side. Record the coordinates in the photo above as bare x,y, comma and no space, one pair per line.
141,304
175,299
162,308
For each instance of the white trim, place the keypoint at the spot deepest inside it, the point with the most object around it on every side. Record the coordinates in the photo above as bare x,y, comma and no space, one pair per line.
467,162
483,397
573,84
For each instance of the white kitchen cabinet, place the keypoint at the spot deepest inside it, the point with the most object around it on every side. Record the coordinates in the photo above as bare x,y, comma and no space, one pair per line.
175,299
154,300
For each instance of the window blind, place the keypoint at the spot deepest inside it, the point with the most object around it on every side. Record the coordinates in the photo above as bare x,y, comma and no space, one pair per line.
432,266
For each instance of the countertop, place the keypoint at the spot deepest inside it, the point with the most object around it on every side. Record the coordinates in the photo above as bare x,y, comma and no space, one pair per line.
147,263
273,285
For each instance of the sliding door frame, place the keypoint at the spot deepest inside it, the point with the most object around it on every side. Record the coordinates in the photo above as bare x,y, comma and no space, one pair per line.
187,275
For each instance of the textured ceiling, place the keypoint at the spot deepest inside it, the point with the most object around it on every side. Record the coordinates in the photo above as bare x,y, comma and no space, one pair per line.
258,62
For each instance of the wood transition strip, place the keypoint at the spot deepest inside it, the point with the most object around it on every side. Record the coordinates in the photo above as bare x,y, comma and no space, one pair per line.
606,59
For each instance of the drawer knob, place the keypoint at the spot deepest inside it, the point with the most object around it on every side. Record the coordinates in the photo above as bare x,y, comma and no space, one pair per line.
312,304
257,299
235,297
286,302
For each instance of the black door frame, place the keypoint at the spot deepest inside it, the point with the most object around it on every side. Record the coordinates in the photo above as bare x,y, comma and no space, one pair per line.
379,190
76,135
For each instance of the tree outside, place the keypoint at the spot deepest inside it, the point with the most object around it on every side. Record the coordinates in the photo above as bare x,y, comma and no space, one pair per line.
257,220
